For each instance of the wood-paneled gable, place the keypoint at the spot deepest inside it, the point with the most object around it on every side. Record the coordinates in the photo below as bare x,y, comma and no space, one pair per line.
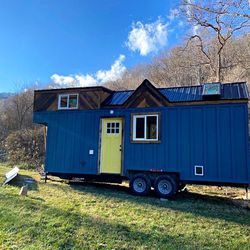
146,95
89,98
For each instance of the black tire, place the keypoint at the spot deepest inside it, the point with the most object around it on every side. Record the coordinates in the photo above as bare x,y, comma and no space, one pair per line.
140,184
165,186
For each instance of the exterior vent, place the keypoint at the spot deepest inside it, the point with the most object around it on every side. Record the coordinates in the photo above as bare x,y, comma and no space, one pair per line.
198,170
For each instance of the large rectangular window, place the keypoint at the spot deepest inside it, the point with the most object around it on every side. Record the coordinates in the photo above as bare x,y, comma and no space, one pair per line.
145,127
68,101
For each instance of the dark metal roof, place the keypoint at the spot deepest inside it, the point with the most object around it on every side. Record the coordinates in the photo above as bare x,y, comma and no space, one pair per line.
119,97
183,94
229,91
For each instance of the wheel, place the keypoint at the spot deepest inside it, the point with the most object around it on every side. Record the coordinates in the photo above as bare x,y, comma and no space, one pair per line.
140,184
165,186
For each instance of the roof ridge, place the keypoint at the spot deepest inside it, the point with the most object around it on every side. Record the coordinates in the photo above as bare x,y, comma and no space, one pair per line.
127,90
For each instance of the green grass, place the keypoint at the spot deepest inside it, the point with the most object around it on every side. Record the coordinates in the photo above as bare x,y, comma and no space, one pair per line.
57,215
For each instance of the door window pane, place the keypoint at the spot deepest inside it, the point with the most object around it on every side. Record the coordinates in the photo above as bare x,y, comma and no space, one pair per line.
113,128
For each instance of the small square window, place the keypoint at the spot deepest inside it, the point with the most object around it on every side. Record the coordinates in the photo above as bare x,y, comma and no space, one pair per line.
113,127
68,101
199,170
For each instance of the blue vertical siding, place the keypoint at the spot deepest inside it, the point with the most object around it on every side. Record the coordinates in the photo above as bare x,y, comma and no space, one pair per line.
224,143
211,152
185,138
214,136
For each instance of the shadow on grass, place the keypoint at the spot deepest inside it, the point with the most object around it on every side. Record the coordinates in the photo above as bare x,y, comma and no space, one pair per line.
22,180
213,207
69,229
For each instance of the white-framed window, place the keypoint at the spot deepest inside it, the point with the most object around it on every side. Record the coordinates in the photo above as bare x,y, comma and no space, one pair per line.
68,101
198,170
145,127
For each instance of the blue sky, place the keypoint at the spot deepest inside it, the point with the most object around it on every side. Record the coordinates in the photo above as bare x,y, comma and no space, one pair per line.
82,42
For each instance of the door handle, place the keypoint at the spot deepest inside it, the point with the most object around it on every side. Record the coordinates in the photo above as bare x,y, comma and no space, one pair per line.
120,148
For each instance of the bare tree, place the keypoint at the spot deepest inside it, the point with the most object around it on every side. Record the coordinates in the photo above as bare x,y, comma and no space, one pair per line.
221,19
18,111
187,66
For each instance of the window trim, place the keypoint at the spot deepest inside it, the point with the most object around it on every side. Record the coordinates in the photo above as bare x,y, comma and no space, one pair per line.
133,127
202,170
67,95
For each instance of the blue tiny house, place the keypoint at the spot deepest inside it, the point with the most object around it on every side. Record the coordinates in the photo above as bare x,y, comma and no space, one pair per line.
162,138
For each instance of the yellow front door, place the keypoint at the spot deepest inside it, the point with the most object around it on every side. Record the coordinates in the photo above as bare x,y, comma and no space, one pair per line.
111,144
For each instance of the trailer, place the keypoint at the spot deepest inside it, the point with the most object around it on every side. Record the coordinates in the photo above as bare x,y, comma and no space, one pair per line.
160,138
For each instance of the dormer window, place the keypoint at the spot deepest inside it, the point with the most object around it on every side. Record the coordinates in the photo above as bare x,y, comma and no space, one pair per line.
68,101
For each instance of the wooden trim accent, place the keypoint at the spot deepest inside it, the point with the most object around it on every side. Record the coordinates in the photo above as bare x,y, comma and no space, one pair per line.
99,147
132,127
80,89
208,102
45,130
145,142
187,103
122,145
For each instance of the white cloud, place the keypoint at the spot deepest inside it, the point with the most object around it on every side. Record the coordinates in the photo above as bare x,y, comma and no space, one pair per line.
173,14
63,80
147,38
85,80
116,71
101,76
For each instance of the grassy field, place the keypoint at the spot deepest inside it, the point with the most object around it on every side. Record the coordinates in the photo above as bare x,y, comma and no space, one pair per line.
58,215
